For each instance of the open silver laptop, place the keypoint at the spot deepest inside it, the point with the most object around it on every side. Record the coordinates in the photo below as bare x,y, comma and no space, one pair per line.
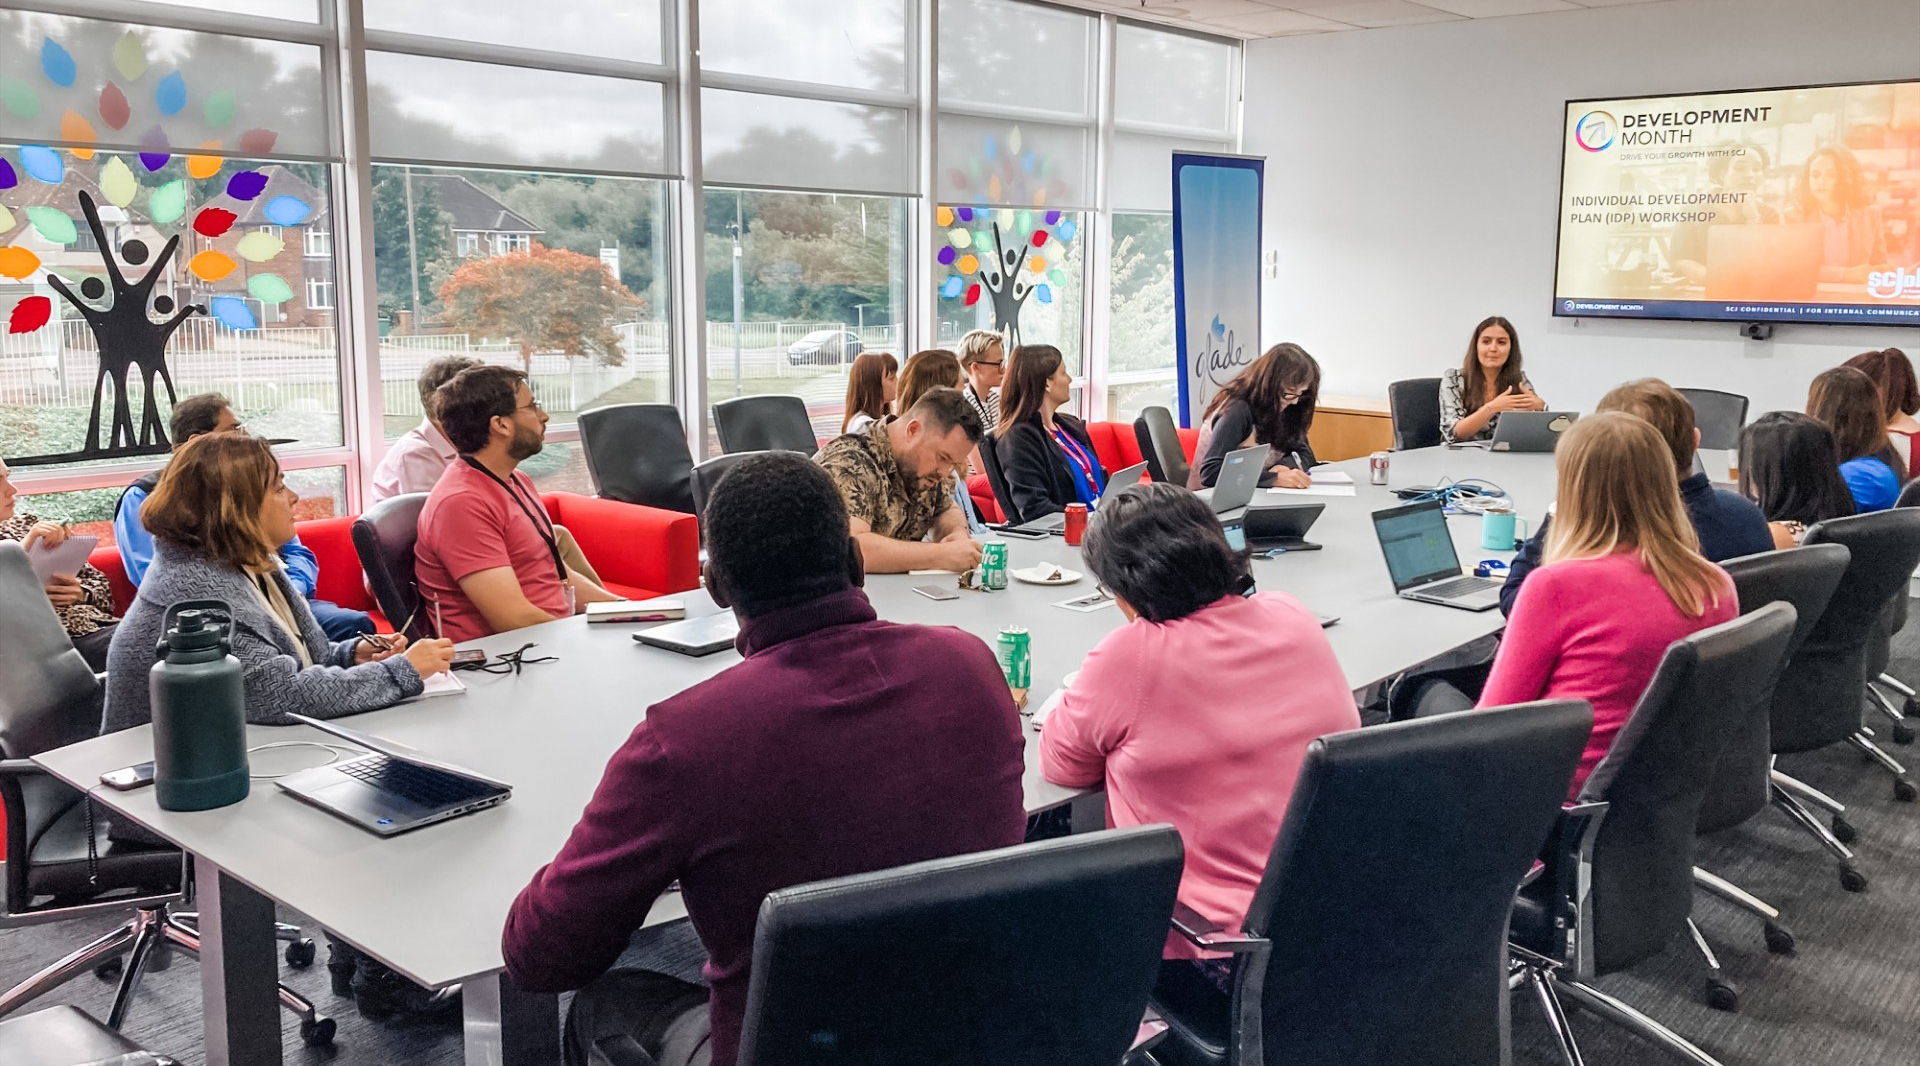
1057,521
1422,562
393,789
1239,478
1530,431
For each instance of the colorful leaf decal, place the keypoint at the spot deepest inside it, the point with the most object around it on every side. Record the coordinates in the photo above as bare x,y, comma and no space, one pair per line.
42,164
1043,294
943,217
258,142
269,289
246,184
259,246
1037,264
211,265
114,109
18,263
202,167
947,255
30,314
286,211
973,294
130,57
220,107
170,96
1066,230
8,179
967,264
1053,218
53,224
232,312
168,202
19,98
75,127
6,219
117,182
57,63
960,238
1039,238
951,287
965,213
213,221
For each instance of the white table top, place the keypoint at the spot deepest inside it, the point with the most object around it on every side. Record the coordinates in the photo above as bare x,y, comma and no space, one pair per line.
431,903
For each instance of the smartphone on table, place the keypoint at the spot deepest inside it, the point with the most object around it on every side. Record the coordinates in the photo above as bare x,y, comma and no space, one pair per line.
128,778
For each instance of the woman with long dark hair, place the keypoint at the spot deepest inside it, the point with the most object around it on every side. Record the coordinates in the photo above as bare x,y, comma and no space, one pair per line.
872,383
1045,454
1849,403
1491,380
1786,466
1271,402
1892,371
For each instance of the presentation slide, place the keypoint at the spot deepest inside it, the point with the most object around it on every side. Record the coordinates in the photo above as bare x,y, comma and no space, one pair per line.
1794,205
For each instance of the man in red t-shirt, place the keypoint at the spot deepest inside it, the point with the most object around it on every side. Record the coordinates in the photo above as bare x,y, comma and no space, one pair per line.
488,558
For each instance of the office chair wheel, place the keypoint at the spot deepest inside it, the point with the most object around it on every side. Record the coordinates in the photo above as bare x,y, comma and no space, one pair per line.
317,1033
1902,733
1843,830
1852,879
1779,938
1722,994
1904,791
110,969
300,953
1910,707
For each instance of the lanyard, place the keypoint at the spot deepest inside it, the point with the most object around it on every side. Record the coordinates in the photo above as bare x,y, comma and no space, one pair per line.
1075,454
545,531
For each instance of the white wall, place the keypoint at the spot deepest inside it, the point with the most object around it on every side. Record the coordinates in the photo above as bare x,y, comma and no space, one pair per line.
1413,181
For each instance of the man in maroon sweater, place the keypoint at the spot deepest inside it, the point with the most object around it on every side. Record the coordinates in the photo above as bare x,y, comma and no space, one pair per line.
841,745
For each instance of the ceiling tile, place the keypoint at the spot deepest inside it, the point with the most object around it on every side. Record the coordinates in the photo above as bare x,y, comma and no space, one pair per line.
1481,9
1273,22
1373,14
1216,9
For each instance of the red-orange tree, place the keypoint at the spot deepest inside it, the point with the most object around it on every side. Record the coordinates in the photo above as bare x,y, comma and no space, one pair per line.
543,300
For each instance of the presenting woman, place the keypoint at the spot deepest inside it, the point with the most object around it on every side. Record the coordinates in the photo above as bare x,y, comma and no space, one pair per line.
1832,191
1488,383
1045,455
872,384
1786,466
1850,404
83,600
1892,371
1213,746
1271,402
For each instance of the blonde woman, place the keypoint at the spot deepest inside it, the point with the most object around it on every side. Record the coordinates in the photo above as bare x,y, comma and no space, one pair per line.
1622,578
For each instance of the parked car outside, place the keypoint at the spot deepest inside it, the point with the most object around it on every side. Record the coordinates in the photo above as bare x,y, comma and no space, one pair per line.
829,347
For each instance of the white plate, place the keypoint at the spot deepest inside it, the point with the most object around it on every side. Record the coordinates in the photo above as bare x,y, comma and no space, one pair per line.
1033,575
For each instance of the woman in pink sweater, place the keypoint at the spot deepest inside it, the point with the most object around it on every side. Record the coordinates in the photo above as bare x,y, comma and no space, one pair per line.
1199,711
1623,578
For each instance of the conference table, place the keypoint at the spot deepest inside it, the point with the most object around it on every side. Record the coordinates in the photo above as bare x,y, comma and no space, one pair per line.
431,903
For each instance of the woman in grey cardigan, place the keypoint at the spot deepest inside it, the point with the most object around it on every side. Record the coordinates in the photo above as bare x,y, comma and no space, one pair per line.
215,517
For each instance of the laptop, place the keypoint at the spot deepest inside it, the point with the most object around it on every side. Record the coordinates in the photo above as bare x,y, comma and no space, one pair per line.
1530,431
1057,521
1239,477
1267,528
1422,562
392,789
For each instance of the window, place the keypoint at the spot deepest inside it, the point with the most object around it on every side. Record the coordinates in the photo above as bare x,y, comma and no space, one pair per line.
586,316
320,294
819,279
1039,303
319,242
270,231
1141,353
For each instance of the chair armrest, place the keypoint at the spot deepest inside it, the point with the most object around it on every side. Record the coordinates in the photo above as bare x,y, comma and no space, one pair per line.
631,544
1153,1029
622,1050
21,768
1200,932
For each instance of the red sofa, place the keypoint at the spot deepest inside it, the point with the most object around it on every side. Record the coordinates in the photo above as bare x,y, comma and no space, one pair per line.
1116,445
640,552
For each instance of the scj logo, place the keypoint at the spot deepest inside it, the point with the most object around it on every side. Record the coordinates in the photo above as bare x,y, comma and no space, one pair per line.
1595,131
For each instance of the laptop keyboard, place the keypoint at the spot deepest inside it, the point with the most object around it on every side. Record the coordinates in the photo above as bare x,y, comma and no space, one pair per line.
427,787
1460,586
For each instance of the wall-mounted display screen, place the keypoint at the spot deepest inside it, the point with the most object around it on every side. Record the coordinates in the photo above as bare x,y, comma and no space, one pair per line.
1796,205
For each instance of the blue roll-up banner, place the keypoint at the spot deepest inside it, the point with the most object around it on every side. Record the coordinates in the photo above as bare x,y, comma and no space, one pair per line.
1216,271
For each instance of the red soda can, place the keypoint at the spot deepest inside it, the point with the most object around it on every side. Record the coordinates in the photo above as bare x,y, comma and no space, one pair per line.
1076,523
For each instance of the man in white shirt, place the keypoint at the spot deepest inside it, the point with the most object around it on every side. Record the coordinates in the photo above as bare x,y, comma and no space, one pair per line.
416,461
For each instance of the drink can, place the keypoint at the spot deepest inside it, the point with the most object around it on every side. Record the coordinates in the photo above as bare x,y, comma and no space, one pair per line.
1014,648
993,565
1377,468
1076,527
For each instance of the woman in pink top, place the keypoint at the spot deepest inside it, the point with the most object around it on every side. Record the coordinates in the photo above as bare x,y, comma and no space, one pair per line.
1622,579
1199,711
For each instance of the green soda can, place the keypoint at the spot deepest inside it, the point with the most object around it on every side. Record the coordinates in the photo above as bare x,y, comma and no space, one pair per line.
993,565
1014,648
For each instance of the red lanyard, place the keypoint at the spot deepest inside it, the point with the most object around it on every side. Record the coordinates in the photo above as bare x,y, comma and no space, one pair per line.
1075,453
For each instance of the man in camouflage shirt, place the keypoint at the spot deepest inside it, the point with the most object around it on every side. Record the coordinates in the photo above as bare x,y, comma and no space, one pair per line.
897,480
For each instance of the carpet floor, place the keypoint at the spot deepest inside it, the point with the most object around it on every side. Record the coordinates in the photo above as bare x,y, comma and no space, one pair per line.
1849,994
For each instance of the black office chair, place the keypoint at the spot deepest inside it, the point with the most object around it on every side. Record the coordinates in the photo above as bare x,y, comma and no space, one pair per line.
708,474
764,424
1742,784
1718,415
1378,932
1618,883
637,453
1035,955
1880,653
383,538
997,479
1415,407
51,699
68,1036
1159,439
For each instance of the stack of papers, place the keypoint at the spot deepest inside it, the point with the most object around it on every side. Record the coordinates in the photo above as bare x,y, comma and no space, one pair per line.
1325,483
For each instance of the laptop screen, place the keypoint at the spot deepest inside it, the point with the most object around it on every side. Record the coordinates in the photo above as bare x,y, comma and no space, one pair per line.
1416,543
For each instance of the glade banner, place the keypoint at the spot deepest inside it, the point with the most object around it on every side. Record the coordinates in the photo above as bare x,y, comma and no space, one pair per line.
1784,204
1216,272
